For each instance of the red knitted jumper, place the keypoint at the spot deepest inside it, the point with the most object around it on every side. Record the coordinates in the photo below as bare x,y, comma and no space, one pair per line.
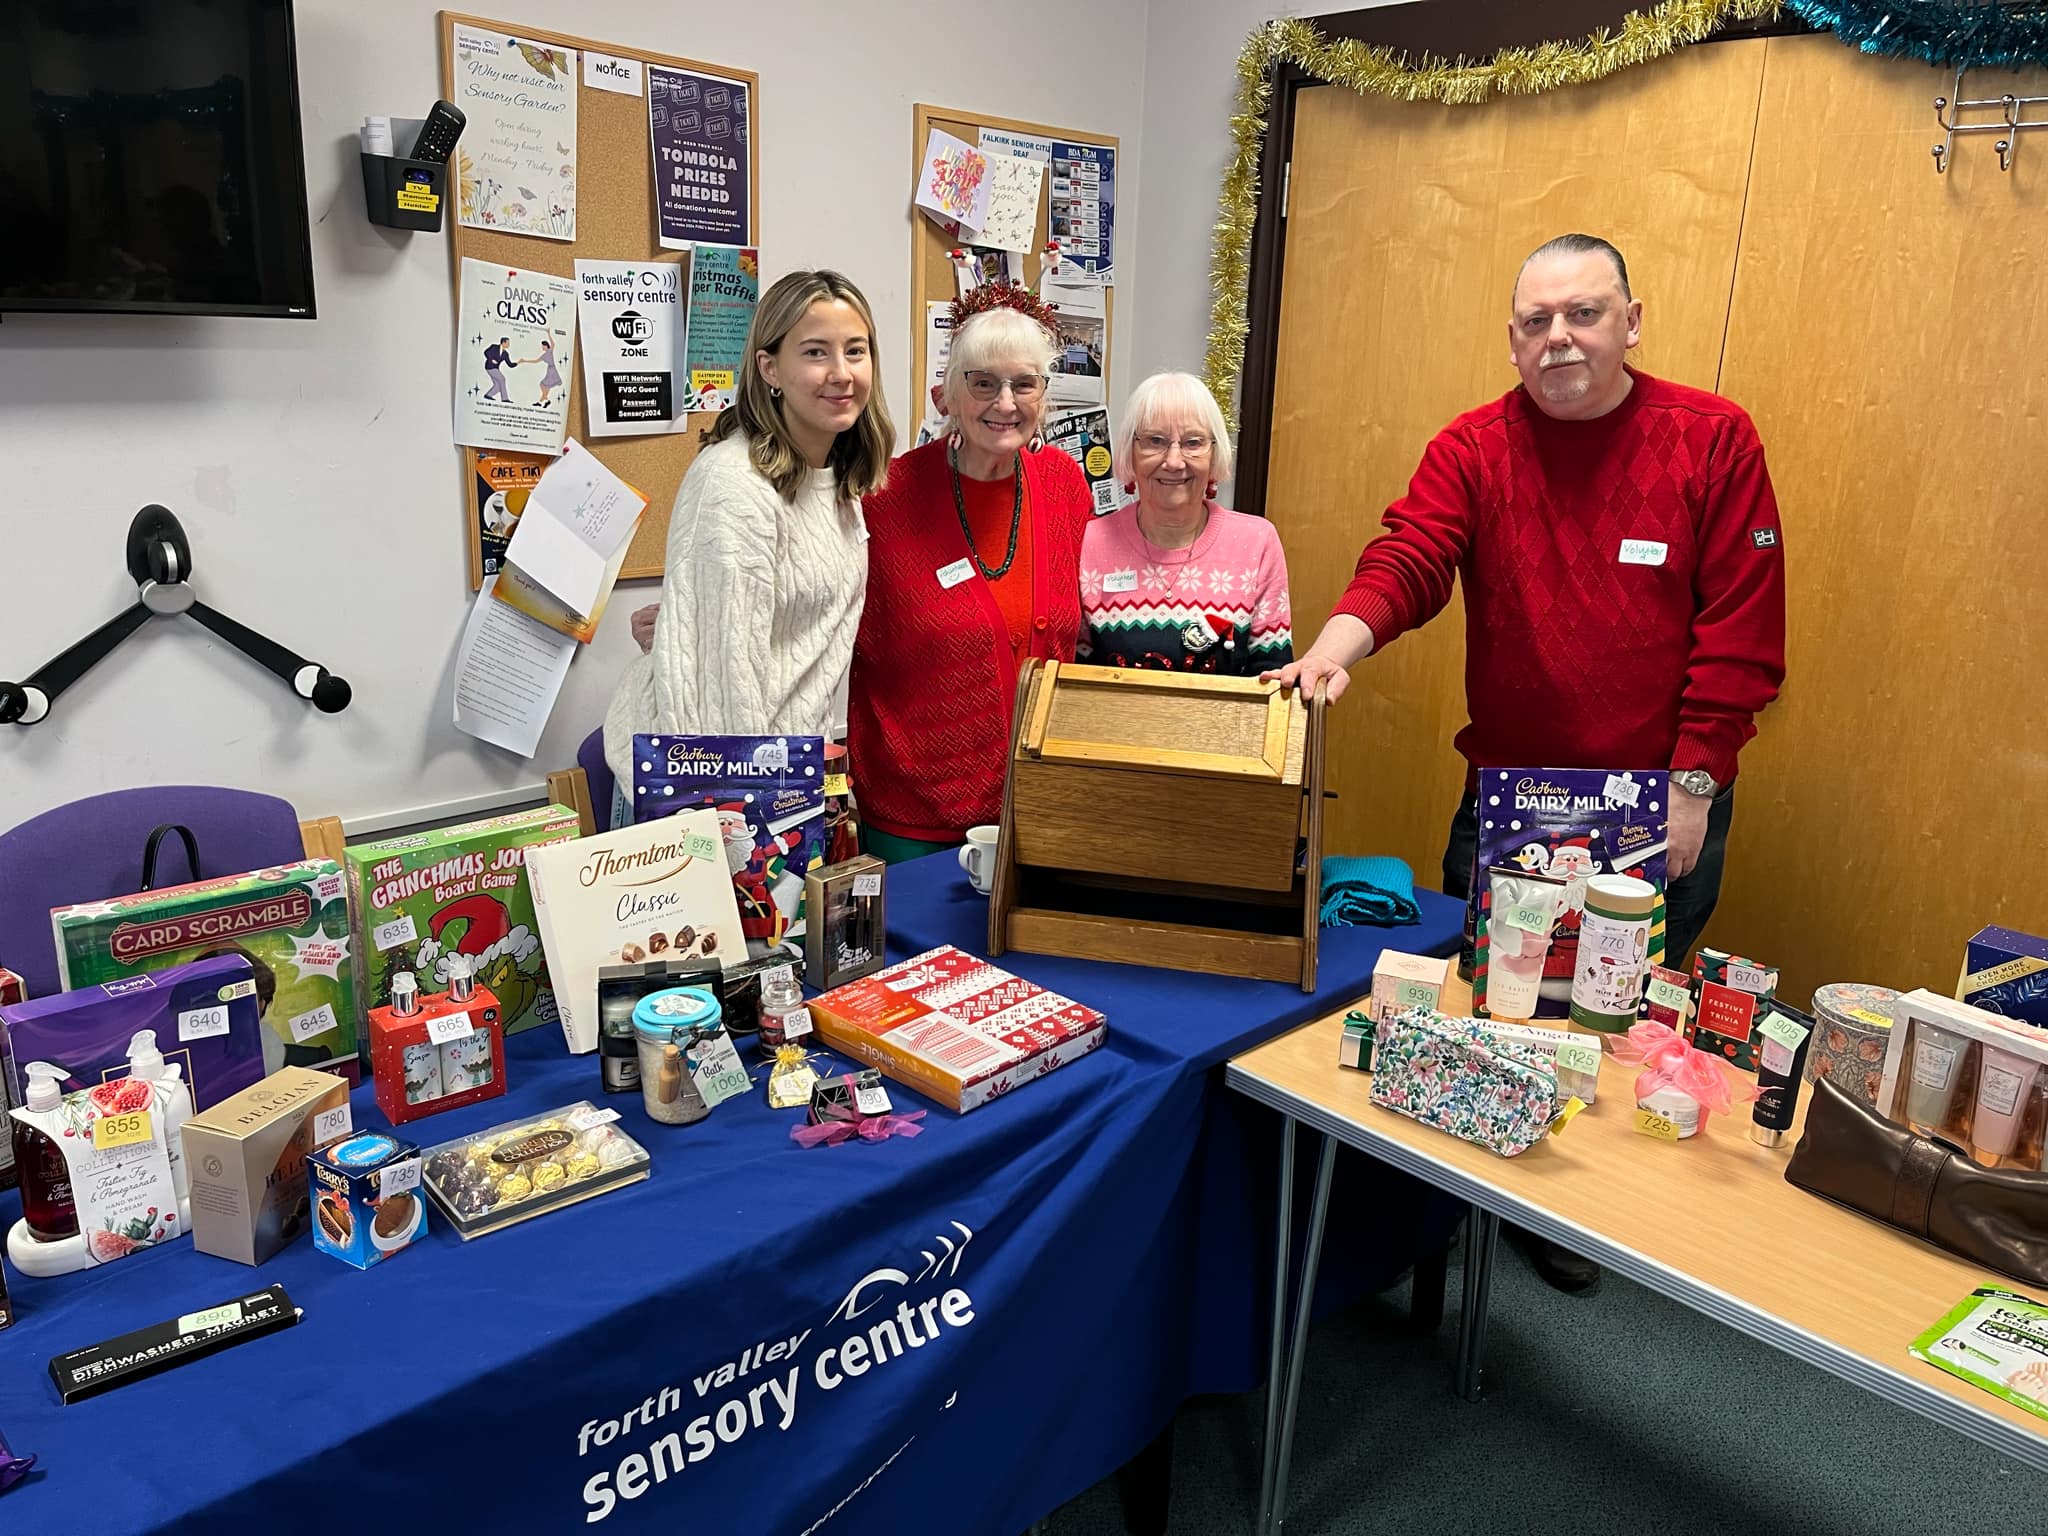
1624,579
934,674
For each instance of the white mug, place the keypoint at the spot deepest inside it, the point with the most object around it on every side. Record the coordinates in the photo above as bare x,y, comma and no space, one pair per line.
978,856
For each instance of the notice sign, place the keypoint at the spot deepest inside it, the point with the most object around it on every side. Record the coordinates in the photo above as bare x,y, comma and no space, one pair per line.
629,313
699,129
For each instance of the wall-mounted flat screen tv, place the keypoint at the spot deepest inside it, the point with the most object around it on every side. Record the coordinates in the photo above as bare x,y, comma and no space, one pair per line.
150,158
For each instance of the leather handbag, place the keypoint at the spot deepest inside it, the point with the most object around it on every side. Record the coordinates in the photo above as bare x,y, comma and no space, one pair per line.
1850,1154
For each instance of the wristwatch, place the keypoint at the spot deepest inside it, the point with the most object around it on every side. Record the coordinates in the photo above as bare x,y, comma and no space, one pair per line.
1697,781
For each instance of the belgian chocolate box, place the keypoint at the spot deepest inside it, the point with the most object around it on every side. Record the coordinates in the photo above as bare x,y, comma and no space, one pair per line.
246,1162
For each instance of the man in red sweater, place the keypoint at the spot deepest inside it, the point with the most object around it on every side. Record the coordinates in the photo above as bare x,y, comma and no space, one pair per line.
1623,566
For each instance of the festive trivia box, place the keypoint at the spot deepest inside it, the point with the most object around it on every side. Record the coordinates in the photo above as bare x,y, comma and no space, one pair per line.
456,891
955,1027
290,923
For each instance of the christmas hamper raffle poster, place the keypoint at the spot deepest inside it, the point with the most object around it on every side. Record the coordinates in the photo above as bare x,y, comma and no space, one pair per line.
698,126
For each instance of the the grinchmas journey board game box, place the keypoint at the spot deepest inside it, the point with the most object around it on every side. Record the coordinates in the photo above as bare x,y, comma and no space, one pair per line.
421,898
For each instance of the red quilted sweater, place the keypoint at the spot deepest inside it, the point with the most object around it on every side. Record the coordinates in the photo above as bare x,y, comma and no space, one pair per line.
1624,579
934,675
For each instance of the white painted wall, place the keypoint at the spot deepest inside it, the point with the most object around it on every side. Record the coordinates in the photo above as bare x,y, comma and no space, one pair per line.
1191,54
311,461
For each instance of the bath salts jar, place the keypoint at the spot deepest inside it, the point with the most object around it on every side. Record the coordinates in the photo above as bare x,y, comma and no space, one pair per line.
665,1026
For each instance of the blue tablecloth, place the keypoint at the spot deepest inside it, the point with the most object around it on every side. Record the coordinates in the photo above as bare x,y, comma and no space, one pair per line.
675,1355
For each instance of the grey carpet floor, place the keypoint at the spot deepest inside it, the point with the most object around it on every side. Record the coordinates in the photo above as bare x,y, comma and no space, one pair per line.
1619,1412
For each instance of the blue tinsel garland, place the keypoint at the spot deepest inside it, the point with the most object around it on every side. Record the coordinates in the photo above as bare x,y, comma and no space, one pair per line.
1938,31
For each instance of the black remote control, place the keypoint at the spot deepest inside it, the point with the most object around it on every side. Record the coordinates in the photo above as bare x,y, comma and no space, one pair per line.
438,133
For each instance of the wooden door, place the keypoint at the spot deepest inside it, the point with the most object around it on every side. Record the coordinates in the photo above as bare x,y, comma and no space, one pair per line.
1406,226
1890,336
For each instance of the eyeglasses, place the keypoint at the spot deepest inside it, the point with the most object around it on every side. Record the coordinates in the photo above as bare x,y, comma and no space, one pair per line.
1193,446
986,386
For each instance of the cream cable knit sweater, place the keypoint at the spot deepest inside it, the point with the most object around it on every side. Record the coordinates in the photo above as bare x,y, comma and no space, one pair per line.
760,599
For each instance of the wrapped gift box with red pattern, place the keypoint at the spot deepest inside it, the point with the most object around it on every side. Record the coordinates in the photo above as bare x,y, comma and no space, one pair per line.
955,1027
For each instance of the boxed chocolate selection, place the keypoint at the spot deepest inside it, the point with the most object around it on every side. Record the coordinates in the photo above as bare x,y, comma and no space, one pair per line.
769,794
654,891
528,1167
1569,823
422,898
2006,972
204,1013
289,922
956,1027
246,1161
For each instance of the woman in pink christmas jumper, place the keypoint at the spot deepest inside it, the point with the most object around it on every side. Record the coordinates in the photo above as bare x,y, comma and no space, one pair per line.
1172,581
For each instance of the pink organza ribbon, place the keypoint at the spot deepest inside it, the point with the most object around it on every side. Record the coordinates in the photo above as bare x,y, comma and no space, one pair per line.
1668,1062
871,1128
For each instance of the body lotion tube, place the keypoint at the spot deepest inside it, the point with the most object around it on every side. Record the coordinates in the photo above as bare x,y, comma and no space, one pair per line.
1780,1068
1520,915
2005,1082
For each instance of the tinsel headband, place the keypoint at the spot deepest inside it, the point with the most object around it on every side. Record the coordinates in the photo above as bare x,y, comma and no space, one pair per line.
1003,294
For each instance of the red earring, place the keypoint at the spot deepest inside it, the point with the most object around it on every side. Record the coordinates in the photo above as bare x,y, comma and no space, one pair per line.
1130,487
1211,493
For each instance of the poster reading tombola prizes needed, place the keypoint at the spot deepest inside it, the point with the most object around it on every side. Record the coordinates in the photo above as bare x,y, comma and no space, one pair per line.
725,284
698,124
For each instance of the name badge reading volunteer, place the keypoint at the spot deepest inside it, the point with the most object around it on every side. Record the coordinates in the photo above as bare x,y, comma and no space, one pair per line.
1120,581
950,576
1643,552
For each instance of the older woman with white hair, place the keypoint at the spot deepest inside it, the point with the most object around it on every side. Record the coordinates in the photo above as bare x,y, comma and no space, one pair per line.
973,566
1173,581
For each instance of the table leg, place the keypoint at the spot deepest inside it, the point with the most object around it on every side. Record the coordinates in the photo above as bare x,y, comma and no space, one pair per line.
1482,1239
1275,1360
1298,1351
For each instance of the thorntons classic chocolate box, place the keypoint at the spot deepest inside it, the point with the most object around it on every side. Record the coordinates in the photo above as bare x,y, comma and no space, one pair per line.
655,891
289,922
456,891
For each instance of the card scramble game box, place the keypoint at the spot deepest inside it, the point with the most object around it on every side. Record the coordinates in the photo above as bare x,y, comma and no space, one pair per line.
289,922
460,890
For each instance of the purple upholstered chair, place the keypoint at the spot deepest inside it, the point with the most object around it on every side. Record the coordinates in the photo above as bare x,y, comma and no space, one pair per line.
590,758
92,849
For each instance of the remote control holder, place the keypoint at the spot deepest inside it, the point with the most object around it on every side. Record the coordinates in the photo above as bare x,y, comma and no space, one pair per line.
403,193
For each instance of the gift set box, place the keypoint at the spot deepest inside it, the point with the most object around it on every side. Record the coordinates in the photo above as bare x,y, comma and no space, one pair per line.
423,899
448,1052
649,892
956,1027
1969,1077
246,1157
1400,982
204,1012
290,923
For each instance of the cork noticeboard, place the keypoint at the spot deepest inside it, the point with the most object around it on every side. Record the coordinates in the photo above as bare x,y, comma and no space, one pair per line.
931,274
615,221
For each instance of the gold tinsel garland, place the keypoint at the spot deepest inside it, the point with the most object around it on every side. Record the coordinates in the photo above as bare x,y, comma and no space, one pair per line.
1641,36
